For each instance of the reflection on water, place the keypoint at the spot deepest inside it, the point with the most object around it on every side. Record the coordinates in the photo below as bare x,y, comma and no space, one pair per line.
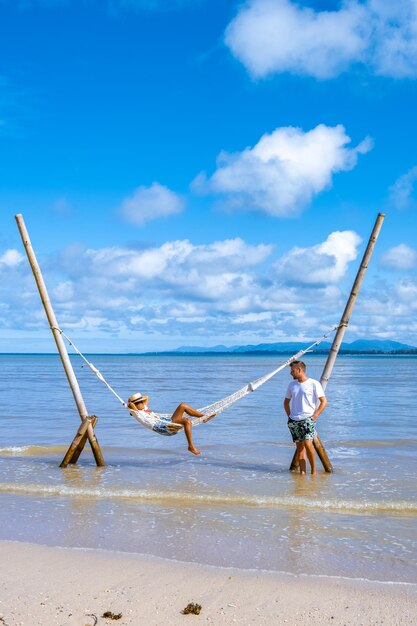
236,505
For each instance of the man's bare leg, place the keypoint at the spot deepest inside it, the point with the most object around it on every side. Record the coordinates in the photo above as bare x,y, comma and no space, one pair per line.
302,457
311,454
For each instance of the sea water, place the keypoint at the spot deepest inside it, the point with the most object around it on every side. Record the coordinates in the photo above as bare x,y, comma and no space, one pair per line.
236,505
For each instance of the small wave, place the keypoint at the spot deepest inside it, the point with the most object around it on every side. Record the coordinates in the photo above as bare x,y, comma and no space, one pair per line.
172,497
31,450
14,451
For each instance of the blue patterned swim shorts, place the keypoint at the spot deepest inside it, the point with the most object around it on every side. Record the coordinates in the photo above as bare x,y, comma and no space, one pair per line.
302,430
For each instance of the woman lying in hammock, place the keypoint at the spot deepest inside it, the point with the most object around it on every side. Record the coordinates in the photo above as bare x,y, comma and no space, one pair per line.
138,402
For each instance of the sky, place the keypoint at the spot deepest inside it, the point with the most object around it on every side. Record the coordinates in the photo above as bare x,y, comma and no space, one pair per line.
202,172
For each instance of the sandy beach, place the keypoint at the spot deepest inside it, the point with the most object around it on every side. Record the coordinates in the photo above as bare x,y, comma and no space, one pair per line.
52,586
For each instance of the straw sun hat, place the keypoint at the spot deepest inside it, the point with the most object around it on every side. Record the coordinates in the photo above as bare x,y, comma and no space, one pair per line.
136,397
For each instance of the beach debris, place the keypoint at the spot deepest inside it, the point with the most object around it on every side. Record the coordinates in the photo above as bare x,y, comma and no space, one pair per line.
193,608
95,618
110,615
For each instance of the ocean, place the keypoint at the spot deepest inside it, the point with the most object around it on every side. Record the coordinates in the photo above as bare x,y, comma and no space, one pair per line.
236,505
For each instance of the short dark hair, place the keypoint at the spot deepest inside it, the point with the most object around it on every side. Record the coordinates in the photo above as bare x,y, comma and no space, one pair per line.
300,364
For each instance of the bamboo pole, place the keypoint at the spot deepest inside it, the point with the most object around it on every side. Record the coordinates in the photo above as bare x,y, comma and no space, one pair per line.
340,333
62,350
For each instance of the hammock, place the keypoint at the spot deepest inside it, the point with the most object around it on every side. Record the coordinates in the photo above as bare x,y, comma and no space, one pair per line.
161,422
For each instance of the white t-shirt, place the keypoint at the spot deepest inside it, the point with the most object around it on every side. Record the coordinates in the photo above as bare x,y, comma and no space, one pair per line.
304,398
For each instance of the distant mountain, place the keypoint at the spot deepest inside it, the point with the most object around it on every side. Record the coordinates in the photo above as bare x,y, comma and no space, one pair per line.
373,346
285,346
383,345
190,349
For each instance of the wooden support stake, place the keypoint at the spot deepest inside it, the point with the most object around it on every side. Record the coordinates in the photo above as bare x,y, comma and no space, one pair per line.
81,433
80,445
340,333
62,350
322,454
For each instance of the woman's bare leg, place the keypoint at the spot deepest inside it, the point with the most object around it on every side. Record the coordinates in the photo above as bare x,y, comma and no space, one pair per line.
178,418
186,408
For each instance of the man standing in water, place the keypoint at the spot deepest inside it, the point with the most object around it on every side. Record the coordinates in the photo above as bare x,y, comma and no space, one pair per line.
304,401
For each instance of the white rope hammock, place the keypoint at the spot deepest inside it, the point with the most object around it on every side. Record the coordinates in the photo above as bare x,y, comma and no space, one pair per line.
161,422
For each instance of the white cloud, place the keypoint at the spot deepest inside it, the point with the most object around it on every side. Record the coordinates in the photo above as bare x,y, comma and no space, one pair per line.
226,291
270,36
401,192
167,261
64,291
256,318
149,203
393,49
11,258
284,170
389,311
406,292
223,288
400,257
323,263
204,271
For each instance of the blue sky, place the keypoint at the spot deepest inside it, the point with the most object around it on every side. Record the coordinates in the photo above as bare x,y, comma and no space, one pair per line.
203,172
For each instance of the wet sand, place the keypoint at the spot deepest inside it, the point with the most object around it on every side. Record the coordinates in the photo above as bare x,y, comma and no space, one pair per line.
52,586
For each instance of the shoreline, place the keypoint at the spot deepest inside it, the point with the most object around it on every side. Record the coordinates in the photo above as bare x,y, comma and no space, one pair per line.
58,586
